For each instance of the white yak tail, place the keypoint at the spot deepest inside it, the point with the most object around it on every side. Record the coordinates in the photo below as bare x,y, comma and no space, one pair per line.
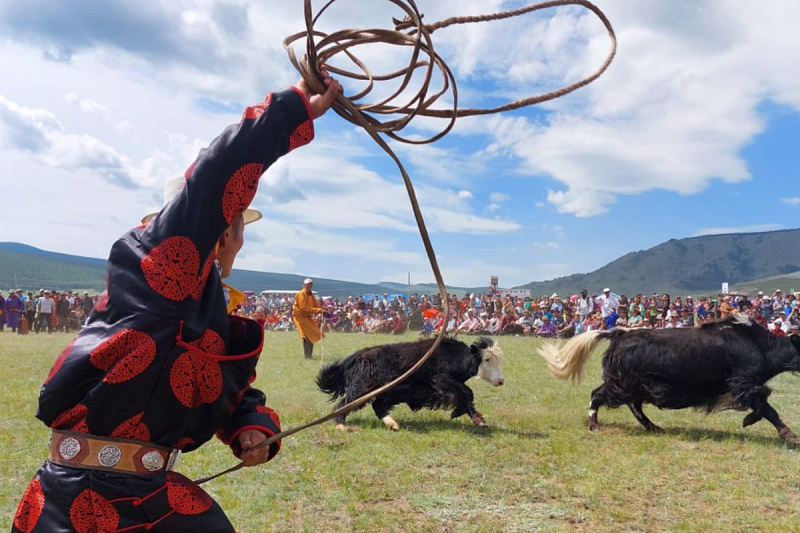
568,359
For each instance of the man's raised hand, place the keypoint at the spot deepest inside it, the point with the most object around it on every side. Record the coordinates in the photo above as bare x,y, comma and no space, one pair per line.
320,103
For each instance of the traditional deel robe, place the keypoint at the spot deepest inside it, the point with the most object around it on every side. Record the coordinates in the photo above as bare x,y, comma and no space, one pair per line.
14,308
303,311
160,359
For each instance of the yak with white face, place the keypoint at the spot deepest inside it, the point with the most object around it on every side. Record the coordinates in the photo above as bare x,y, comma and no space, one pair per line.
438,384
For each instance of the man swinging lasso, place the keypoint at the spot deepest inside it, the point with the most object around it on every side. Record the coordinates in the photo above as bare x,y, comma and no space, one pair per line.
162,366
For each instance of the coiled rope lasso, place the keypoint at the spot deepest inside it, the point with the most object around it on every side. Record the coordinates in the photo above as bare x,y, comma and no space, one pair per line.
410,33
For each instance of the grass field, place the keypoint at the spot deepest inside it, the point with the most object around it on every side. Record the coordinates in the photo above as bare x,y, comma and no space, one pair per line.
536,468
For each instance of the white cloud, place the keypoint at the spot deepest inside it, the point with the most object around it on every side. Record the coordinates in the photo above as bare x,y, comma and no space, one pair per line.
88,106
549,245
791,201
498,198
329,173
265,262
583,203
465,195
755,228
673,111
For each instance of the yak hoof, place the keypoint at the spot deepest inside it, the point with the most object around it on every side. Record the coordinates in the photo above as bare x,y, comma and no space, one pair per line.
751,419
789,436
390,423
594,426
479,421
655,429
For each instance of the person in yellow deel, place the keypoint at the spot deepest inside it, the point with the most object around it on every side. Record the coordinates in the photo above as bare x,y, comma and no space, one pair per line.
303,311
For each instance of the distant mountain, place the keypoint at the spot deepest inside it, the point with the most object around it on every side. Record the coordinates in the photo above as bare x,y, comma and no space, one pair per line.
786,282
694,265
29,268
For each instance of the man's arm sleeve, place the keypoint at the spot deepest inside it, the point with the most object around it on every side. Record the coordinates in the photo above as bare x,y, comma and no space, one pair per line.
223,180
251,413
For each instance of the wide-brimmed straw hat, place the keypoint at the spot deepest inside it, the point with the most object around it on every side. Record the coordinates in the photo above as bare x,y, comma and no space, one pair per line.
174,186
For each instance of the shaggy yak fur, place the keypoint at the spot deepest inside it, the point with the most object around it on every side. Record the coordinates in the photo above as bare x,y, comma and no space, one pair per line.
721,365
439,383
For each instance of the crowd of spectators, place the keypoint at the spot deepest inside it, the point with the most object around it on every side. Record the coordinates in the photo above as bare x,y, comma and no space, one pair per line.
479,314
545,316
46,310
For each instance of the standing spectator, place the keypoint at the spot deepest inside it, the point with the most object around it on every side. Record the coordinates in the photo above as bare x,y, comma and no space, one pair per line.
303,312
44,310
766,307
2,312
609,302
30,310
726,309
585,305
87,304
62,310
14,309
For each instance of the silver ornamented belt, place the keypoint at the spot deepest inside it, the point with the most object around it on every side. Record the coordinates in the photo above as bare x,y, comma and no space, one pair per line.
80,450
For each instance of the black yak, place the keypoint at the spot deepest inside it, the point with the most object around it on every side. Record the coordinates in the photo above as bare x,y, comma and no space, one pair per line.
439,383
722,365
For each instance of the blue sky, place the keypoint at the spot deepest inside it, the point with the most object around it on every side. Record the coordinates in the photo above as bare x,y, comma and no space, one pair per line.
694,129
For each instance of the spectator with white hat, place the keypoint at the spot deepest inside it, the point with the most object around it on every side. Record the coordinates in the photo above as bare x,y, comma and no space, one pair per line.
304,312
609,302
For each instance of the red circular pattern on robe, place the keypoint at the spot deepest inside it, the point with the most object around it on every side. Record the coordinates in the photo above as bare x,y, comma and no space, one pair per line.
30,508
240,190
91,513
59,361
302,135
133,429
171,268
264,410
73,419
195,379
125,355
185,497
201,281
253,112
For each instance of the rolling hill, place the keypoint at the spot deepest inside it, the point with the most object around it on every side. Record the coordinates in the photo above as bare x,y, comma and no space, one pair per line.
29,268
697,265
693,265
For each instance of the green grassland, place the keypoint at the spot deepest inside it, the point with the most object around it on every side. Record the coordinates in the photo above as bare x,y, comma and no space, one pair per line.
536,468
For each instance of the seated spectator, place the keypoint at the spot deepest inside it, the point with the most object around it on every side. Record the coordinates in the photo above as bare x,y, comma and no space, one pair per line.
673,323
570,328
548,329
399,325
611,319
526,322
636,320
427,328
593,322
776,328
687,319
493,326
471,324
622,320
